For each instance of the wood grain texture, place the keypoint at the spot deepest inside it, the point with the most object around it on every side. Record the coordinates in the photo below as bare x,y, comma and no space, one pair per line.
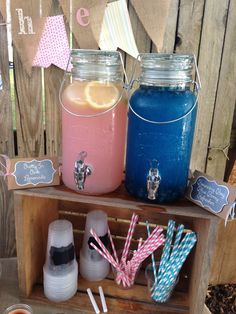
206,238
29,110
32,218
53,77
212,39
170,32
225,101
223,270
7,232
189,26
142,39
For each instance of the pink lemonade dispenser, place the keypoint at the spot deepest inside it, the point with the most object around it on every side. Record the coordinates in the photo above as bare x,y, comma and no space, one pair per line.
94,116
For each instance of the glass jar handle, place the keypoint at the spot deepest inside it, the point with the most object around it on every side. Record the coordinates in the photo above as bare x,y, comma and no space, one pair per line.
125,85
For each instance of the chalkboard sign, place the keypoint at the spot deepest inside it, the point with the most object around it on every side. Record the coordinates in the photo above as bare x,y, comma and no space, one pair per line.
210,194
34,172
21,173
213,195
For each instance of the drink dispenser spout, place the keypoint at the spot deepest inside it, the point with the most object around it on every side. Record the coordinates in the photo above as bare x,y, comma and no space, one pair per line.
81,171
153,182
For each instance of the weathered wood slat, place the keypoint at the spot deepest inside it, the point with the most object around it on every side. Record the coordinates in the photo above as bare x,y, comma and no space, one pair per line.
225,101
170,32
29,110
189,26
212,38
7,232
142,40
53,77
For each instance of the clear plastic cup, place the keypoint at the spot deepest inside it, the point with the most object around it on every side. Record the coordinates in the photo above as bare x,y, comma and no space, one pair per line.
19,309
93,266
60,271
163,292
118,275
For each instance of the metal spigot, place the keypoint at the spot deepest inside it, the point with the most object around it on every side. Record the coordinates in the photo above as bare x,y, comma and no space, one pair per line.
81,171
153,182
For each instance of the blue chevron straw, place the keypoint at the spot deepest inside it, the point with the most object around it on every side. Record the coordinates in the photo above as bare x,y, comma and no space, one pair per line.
167,247
153,259
168,276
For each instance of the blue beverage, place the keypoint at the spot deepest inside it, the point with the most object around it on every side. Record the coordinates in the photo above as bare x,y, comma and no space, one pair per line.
160,133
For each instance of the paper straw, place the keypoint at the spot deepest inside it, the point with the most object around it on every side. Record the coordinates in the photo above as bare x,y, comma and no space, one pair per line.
178,236
102,297
133,222
113,246
153,259
166,251
92,300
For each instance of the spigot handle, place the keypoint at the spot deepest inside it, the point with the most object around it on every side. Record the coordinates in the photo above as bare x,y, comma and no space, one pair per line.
153,182
81,171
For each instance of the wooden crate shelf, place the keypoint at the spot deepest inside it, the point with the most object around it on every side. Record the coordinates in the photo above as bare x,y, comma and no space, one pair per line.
36,208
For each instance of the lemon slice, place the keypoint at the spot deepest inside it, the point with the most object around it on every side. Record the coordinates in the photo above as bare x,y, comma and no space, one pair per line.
101,95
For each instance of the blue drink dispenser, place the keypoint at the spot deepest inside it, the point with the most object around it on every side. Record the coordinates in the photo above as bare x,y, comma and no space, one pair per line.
161,125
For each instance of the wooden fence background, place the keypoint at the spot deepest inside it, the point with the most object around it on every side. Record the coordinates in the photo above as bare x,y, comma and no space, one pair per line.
204,27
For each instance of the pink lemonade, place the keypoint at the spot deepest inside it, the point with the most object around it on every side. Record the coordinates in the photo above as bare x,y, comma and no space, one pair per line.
102,137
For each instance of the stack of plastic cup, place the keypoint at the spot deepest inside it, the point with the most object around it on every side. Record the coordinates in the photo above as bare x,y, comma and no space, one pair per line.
93,266
61,269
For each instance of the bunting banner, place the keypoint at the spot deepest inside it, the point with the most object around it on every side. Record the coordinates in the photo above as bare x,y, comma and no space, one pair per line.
153,15
87,17
27,20
116,31
53,47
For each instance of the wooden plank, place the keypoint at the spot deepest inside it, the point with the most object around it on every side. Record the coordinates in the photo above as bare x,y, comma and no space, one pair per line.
29,110
6,125
81,304
52,80
206,233
32,217
170,32
142,39
223,270
7,233
118,201
225,101
189,26
212,39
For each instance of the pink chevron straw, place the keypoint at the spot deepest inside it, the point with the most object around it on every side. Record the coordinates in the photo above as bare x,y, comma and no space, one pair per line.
133,223
126,270
113,246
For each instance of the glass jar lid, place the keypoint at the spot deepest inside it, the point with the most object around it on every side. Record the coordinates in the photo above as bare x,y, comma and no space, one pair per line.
166,69
90,64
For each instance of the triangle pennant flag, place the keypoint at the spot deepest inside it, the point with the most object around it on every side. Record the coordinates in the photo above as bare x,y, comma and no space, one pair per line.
27,28
153,15
87,17
53,47
116,29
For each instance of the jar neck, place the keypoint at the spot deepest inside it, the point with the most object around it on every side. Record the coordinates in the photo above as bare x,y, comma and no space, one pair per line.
172,71
165,87
96,65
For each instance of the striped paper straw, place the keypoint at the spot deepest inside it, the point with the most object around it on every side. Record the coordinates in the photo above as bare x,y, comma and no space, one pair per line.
133,222
153,259
168,279
178,236
113,246
166,251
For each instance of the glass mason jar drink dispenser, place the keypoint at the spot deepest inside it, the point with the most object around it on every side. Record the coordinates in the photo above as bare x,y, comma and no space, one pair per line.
94,114
161,127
